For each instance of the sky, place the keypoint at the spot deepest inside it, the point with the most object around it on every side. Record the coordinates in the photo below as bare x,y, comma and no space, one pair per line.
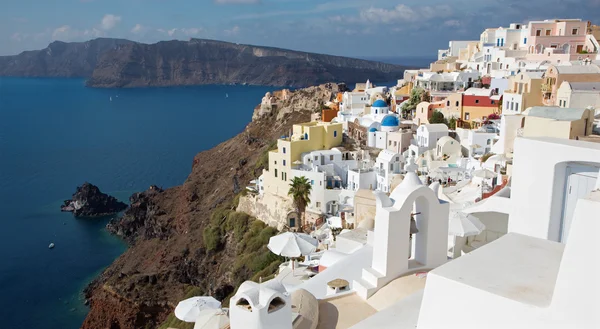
356,28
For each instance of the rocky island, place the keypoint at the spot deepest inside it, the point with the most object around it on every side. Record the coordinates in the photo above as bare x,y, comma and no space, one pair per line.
88,201
123,63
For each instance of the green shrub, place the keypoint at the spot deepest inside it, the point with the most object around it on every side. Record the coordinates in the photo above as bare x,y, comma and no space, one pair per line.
173,322
263,160
212,238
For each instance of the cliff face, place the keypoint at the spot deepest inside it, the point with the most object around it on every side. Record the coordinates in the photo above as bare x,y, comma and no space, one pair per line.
59,59
123,63
168,256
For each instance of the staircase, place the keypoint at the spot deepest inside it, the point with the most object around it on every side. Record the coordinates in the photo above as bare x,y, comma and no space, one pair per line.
369,283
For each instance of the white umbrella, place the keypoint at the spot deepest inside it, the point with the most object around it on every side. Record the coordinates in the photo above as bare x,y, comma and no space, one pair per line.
464,225
290,244
189,309
212,319
484,173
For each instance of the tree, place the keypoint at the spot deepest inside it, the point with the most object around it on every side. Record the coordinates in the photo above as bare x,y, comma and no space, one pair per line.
437,117
300,189
452,123
417,95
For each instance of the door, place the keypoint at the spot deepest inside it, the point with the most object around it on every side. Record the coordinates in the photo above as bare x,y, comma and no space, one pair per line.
579,49
580,182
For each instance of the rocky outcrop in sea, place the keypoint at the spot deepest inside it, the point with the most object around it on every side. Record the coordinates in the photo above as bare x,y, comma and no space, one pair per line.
88,201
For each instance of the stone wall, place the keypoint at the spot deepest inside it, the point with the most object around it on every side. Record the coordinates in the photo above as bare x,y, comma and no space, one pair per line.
268,208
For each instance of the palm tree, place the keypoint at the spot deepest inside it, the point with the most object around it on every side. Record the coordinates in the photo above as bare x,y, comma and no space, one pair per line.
300,192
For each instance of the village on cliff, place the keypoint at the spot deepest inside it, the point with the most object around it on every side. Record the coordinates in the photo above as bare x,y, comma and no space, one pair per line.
467,196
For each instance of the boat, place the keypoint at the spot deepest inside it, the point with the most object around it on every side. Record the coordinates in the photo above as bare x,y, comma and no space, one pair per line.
110,98
51,245
226,95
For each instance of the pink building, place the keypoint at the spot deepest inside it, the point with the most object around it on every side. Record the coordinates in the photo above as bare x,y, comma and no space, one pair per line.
558,40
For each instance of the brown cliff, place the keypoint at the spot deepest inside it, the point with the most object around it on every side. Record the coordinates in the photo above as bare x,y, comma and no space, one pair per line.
168,257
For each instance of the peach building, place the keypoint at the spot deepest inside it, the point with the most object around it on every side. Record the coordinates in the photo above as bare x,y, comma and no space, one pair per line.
556,74
562,40
425,111
524,90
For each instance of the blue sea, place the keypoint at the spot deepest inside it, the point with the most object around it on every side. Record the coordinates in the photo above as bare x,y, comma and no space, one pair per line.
56,134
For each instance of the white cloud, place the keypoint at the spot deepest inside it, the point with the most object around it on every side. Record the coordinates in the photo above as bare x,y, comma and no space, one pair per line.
182,32
233,31
138,28
109,21
61,32
67,33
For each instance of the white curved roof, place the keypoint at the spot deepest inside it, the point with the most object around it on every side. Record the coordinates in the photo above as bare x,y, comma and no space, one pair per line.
436,127
260,294
446,139
388,156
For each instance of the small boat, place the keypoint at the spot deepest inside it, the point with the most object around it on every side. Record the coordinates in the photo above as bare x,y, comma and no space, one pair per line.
110,98
51,245
226,95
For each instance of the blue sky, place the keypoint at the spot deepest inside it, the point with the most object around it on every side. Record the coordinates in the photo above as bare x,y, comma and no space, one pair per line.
375,28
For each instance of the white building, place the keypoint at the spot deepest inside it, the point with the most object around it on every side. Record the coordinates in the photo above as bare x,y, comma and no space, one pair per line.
378,138
446,82
327,172
353,103
454,48
475,142
427,137
579,94
362,179
387,165
261,306
560,172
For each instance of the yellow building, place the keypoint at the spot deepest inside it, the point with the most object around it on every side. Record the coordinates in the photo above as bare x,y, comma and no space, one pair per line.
524,91
554,121
306,137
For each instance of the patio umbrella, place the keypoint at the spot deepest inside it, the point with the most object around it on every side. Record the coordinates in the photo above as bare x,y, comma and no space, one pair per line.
290,244
212,319
189,309
297,162
484,173
464,225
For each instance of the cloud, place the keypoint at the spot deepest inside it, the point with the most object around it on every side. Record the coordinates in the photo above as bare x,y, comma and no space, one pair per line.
109,21
67,33
138,29
181,32
227,2
233,31
452,23
405,14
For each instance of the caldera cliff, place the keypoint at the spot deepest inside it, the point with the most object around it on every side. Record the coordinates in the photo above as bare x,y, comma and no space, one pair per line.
187,240
123,63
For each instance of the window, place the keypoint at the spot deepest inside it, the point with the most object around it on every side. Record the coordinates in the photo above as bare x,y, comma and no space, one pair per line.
318,204
525,40
312,182
476,101
511,106
397,159
456,103
305,135
331,158
493,102
467,116
538,33
395,143
375,111
574,32
548,32
284,162
316,158
448,103
275,173
390,143
283,176
517,107
284,150
335,133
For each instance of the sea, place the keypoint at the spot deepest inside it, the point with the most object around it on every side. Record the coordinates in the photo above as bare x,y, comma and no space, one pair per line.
56,134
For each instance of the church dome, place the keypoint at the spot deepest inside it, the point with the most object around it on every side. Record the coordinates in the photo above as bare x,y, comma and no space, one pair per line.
372,130
379,103
390,121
